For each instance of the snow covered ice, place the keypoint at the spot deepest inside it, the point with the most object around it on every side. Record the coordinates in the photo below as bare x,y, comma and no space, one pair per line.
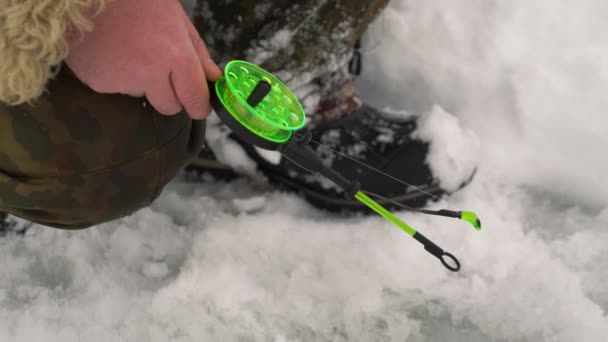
243,262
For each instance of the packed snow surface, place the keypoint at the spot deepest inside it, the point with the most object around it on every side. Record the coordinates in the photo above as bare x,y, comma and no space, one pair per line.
244,262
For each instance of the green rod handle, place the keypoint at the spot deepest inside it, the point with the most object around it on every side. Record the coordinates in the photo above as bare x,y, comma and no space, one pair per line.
448,260
375,206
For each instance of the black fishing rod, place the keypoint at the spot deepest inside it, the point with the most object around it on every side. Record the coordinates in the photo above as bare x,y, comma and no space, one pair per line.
263,112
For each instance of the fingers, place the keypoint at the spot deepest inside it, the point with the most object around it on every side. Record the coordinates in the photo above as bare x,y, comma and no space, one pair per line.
212,71
163,98
191,89
187,84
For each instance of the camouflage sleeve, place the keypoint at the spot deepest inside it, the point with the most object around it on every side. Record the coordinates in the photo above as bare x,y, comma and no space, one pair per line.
33,42
76,158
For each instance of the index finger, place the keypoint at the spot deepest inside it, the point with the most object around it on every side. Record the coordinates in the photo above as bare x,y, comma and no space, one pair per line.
190,86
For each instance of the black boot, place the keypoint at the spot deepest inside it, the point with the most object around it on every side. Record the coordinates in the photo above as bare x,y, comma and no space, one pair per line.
389,149
382,152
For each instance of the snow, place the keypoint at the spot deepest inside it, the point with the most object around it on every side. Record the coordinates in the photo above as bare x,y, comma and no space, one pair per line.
454,150
242,261
250,204
227,150
272,157
528,77
269,48
198,266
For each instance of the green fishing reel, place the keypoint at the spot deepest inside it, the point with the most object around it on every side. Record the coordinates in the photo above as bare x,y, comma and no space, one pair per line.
263,112
258,107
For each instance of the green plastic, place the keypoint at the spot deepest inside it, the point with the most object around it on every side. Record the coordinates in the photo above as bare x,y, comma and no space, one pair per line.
275,117
472,218
375,206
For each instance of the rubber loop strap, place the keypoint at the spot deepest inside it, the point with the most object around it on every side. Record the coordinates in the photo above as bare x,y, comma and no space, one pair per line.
449,257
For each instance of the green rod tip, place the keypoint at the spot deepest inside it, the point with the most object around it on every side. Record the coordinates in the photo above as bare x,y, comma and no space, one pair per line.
472,218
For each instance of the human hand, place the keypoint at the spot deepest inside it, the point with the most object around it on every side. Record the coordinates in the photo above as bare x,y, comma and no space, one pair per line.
146,48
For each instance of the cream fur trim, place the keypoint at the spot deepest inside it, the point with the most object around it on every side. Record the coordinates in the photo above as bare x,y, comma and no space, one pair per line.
33,42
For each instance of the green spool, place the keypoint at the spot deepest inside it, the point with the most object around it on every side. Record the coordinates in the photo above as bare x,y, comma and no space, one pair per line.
273,119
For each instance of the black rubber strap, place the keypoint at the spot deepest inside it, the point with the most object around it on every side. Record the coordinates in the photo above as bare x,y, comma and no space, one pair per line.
448,260
355,65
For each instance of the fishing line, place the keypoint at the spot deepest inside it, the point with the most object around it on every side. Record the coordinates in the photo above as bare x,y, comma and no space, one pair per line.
396,203
373,168
466,216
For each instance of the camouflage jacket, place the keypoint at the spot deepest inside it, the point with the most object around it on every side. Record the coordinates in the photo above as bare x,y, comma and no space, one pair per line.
33,42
